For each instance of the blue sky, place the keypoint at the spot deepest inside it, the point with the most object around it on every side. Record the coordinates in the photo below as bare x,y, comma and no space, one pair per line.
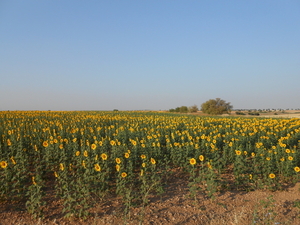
137,55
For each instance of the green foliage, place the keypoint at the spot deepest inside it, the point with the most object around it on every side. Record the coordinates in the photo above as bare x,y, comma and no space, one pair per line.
239,113
193,109
182,109
216,106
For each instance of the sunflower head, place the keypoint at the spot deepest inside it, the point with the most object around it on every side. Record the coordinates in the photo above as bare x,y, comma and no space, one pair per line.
104,156
272,175
193,161
97,167
3,164
153,161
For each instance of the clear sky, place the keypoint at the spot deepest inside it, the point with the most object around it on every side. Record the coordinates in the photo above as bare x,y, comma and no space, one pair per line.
148,54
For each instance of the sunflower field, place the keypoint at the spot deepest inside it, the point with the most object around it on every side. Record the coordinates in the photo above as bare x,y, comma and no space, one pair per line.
80,158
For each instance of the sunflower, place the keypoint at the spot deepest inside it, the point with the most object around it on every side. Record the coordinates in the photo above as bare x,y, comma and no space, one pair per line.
97,167
297,169
153,161
13,160
126,155
93,146
201,158
33,180
209,165
77,153
123,174
45,144
143,156
288,151
3,164
144,165
193,161
238,152
118,160
61,167
8,142
142,172
55,174
272,175
104,156
85,153
118,167
290,158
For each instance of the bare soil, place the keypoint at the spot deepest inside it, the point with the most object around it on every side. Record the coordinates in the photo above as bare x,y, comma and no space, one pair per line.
175,206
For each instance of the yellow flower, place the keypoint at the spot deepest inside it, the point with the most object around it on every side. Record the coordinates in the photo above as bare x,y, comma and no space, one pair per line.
238,152
77,153
8,142
253,154
61,146
118,160
97,167
288,151
112,142
282,159
3,164
33,180
45,144
142,172
83,164
85,153
209,165
93,146
144,165
123,174
126,155
143,156
13,160
268,158
61,166
55,174
272,175
153,161
104,156
74,139
250,176
118,167
297,169
193,161
290,158
201,158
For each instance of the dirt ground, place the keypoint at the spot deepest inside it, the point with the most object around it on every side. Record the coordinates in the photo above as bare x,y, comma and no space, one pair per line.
176,207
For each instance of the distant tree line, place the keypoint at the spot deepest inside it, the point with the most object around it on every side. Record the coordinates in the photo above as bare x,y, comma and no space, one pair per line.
185,109
213,106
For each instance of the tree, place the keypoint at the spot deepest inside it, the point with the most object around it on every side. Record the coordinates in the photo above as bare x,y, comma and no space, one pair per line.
216,106
183,109
193,109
